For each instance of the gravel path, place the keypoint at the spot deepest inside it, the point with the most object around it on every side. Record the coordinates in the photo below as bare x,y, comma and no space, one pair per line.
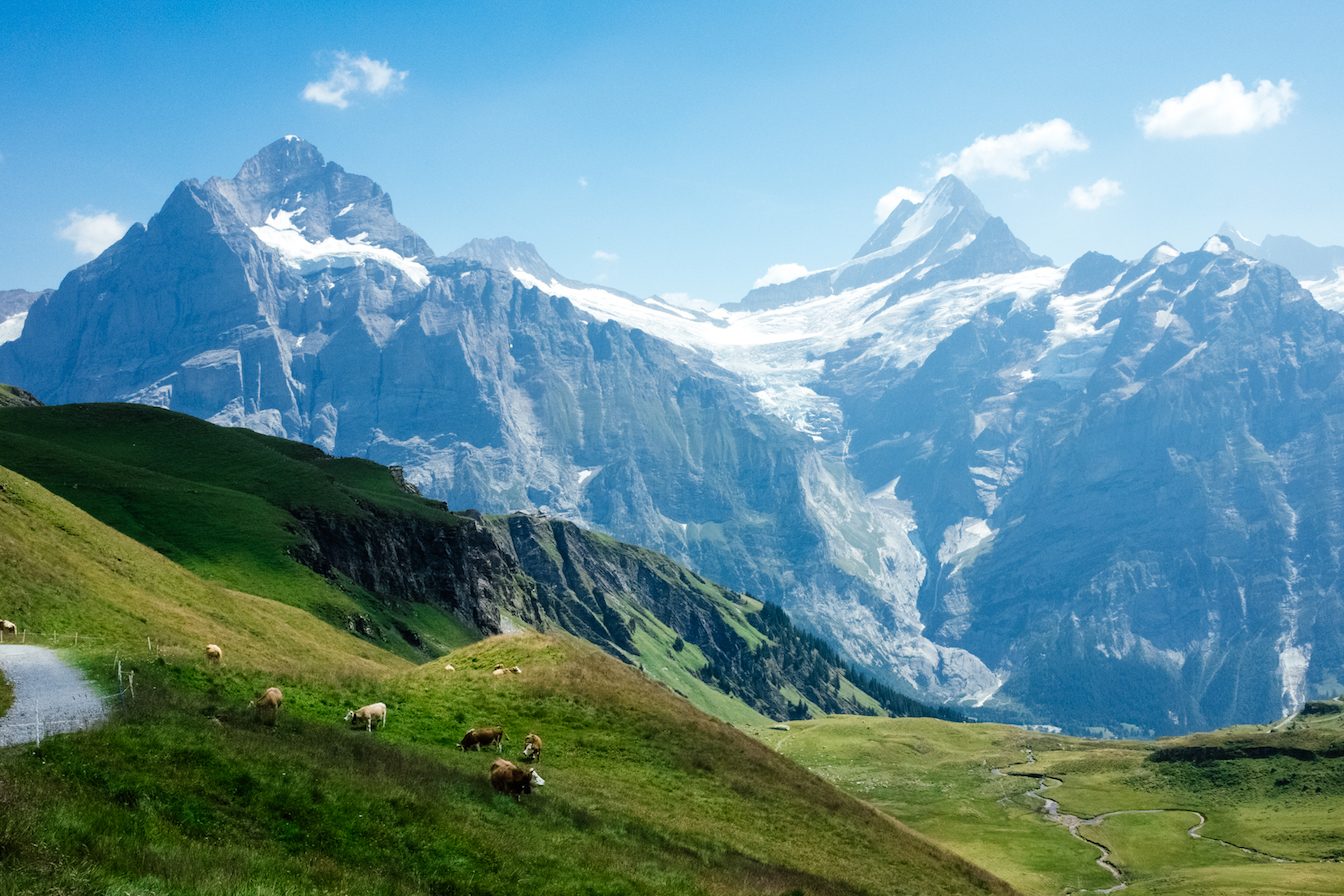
49,696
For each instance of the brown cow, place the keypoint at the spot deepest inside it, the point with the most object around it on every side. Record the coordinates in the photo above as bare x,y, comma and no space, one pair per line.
365,716
473,739
267,706
213,653
533,749
506,777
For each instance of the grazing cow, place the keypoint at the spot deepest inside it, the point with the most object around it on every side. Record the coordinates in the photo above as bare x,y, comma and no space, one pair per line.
473,739
8,627
508,778
365,716
213,653
267,706
533,749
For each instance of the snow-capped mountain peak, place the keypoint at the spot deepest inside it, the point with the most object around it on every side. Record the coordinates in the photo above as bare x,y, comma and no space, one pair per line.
915,241
910,221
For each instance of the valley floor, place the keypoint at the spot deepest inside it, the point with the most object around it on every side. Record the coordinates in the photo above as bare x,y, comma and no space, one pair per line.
1053,814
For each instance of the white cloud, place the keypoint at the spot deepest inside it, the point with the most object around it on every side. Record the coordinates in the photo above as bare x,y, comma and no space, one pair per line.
583,182
781,273
1008,155
1089,198
606,256
887,204
1221,107
92,233
354,74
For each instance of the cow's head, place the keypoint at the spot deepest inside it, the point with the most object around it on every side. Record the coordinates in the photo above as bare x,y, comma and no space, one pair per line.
533,778
349,715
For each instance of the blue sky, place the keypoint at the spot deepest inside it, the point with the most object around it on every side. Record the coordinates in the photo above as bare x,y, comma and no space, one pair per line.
683,148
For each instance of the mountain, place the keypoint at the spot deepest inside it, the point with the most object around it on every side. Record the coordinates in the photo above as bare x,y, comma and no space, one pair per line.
1304,260
1321,268
1104,469
912,249
1102,497
288,300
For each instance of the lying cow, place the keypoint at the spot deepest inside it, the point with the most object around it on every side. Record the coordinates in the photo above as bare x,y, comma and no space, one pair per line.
213,653
366,716
473,739
267,706
508,778
533,749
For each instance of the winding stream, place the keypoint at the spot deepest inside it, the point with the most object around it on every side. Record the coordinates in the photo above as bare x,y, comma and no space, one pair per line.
1050,810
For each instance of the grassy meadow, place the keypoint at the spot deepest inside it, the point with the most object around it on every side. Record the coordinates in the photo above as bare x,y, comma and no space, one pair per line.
185,792
216,501
938,778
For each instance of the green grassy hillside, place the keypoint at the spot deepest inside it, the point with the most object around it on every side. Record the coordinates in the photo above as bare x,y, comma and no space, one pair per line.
1280,795
185,793
217,501
342,539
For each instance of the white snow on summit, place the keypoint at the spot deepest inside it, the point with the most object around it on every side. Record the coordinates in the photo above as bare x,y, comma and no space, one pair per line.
280,233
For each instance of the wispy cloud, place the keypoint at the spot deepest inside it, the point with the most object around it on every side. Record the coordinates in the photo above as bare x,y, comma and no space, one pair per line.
1220,108
887,204
92,233
583,182
1089,198
1009,155
354,74
606,256
781,273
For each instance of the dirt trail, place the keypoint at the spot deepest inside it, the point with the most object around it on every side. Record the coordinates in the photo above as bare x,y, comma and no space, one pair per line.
50,697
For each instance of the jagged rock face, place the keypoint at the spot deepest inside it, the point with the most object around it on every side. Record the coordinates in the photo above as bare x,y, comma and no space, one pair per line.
551,574
1150,531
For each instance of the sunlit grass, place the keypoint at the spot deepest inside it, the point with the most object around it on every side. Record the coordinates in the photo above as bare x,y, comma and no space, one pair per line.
185,792
937,778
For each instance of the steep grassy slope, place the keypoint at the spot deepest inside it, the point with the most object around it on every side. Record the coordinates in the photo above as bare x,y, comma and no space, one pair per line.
185,793
341,538
1280,795
63,573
